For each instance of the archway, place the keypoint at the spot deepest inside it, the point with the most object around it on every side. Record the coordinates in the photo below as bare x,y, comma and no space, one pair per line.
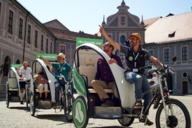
6,67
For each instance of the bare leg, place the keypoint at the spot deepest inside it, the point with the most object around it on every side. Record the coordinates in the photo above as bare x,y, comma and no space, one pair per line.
40,94
45,94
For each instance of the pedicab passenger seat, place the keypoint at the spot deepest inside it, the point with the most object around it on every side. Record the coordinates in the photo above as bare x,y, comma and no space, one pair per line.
12,84
89,70
36,89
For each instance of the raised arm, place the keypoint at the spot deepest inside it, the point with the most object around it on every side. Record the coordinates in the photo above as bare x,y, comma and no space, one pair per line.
45,61
109,39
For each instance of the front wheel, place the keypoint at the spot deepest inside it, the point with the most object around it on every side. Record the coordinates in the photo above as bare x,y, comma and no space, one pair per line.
32,105
80,112
67,106
27,98
178,115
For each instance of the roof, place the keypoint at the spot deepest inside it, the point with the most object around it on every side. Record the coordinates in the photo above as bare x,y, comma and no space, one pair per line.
56,24
150,21
70,35
170,29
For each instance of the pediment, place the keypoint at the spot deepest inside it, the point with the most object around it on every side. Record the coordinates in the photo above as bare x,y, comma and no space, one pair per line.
123,19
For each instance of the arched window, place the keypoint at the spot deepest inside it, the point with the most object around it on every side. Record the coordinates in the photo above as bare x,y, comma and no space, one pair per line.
122,39
18,62
7,63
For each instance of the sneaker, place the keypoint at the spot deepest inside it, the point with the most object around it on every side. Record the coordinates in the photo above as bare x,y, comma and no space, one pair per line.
108,103
148,122
21,102
138,104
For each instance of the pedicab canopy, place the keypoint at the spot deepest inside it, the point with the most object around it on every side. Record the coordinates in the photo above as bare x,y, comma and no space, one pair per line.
80,41
50,57
15,65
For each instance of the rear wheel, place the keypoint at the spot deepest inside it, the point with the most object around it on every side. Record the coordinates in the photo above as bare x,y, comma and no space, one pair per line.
32,105
68,106
126,121
7,99
178,115
7,95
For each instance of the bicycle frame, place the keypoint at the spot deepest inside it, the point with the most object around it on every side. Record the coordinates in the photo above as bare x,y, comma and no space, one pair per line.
157,94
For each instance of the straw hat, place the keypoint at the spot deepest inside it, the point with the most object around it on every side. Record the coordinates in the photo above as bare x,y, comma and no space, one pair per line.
61,55
136,35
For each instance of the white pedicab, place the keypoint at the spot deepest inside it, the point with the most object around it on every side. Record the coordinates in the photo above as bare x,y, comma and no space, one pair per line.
13,87
88,105
37,103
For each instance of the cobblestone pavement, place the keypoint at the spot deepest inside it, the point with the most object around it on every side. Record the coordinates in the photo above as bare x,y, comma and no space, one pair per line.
17,117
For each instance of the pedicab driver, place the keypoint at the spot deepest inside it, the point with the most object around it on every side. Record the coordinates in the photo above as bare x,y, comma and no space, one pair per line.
61,68
25,74
104,78
135,58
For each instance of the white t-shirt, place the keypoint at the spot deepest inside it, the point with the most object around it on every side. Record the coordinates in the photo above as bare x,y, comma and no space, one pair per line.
155,80
26,73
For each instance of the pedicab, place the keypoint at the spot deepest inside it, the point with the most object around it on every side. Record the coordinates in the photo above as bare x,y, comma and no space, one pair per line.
13,89
88,105
66,99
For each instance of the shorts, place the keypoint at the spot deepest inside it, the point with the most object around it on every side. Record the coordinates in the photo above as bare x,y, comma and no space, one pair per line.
22,84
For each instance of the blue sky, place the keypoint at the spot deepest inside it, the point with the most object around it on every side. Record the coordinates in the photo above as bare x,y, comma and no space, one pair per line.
86,15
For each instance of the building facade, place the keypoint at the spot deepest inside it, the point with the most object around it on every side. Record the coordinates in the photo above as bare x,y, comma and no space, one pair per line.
22,36
163,37
168,37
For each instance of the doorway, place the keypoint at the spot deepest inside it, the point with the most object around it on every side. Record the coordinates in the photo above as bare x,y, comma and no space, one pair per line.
185,87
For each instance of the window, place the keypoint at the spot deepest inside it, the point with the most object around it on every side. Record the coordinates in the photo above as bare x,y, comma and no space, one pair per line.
0,10
151,52
47,46
36,37
10,24
42,42
18,62
62,49
184,53
20,28
51,48
29,34
166,55
122,39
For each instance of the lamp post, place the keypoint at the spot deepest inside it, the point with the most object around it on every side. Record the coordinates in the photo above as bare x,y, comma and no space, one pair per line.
25,35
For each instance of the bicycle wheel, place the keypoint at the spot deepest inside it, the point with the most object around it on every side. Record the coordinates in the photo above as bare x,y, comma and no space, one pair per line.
27,97
67,106
178,115
126,121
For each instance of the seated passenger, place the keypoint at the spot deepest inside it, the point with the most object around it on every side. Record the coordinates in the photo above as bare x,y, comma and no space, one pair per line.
104,78
42,85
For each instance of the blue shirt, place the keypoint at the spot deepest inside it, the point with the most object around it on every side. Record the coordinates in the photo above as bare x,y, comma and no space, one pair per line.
63,69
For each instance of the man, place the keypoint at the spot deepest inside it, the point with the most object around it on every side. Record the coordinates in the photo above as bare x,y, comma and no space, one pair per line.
135,58
25,74
61,68
104,78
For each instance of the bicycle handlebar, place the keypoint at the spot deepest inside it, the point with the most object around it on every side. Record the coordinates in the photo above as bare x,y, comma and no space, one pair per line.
65,79
149,66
